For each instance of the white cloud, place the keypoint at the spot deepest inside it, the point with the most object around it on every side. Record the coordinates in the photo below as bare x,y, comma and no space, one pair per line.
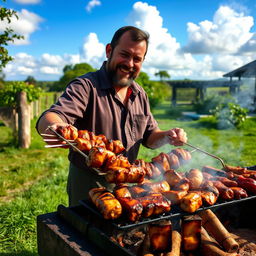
228,31
50,70
27,23
27,1
51,60
164,50
91,4
225,43
93,51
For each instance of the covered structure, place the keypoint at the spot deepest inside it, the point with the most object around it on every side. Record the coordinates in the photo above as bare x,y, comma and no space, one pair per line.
247,71
201,87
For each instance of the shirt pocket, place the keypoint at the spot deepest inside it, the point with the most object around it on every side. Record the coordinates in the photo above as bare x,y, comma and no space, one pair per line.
139,125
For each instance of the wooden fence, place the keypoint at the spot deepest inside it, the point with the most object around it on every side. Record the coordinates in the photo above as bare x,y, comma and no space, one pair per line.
19,118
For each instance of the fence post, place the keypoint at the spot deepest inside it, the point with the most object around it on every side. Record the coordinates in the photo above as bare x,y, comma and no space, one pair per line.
24,136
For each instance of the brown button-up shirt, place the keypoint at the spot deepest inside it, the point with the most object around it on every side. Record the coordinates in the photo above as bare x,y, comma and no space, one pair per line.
90,102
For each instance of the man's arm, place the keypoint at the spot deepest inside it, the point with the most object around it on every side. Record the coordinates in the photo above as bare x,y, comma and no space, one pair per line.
49,119
158,138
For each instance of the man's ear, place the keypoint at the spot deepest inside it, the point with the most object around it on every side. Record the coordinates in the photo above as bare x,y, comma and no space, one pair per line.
108,50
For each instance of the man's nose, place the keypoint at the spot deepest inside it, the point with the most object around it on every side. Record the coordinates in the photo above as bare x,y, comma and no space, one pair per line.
130,62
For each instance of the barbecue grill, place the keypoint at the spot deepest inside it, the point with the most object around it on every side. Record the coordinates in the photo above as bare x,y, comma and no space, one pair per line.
81,230
105,234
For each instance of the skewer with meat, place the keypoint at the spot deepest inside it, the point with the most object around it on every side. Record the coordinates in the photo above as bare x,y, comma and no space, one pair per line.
226,193
175,196
172,177
122,190
163,160
191,202
158,187
239,193
195,178
226,181
154,203
107,204
132,208
209,193
183,185
183,155
131,174
99,156
248,184
117,161
69,132
151,170
214,171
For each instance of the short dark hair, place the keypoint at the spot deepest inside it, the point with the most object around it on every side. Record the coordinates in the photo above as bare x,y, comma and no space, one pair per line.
137,35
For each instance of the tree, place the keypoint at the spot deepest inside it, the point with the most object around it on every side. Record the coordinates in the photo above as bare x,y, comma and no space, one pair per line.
6,36
162,74
31,80
71,72
156,91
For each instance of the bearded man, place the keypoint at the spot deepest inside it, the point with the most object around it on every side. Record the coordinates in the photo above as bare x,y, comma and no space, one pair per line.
109,102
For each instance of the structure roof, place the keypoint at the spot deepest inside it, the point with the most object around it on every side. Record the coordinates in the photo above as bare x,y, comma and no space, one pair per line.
248,70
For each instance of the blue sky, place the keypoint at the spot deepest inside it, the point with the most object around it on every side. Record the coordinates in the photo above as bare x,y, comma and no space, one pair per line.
194,39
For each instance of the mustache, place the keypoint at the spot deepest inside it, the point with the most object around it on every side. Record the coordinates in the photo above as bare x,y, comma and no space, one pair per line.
126,68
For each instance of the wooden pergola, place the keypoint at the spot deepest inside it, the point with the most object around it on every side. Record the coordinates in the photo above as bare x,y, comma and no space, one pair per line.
248,71
201,87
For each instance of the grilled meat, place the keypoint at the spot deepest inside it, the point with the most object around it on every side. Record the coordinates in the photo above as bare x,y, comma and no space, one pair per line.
225,192
98,156
175,196
239,192
107,204
131,174
122,190
191,202
195,178
132,208
69,132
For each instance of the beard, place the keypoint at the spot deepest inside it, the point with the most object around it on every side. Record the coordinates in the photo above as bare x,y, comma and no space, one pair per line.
118,79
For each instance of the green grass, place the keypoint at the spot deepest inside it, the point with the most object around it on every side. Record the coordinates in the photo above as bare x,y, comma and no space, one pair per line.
33,181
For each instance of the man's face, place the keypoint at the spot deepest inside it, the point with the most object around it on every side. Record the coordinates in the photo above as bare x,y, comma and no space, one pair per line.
125,61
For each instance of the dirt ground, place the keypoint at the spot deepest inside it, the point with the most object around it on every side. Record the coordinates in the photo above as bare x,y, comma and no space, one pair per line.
246,239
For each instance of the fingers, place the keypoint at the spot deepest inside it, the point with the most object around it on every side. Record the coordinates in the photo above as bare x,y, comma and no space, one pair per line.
177,136
51,138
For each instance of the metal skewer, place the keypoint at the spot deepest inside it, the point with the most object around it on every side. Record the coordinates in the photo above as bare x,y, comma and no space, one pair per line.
207,153
69,143
76,149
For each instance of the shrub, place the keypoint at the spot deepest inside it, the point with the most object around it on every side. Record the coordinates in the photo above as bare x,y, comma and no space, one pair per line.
9,92
230,115
157,91
211,102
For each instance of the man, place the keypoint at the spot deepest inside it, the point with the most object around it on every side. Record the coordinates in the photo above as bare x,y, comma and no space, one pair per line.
109,102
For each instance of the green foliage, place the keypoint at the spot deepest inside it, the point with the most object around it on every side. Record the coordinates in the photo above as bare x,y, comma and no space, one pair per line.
31,80
211,102
157,91
6,36
70,73
230,115
163,74
9,91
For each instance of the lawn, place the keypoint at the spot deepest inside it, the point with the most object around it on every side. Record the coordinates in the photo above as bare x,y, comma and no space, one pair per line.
33,181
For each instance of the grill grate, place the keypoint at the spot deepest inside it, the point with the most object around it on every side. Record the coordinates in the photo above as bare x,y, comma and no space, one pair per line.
175,212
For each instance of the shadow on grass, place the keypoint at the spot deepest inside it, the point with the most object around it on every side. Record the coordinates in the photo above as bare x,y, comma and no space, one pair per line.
21,253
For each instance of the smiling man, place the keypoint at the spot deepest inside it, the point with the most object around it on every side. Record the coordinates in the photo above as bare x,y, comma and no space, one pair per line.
109,102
